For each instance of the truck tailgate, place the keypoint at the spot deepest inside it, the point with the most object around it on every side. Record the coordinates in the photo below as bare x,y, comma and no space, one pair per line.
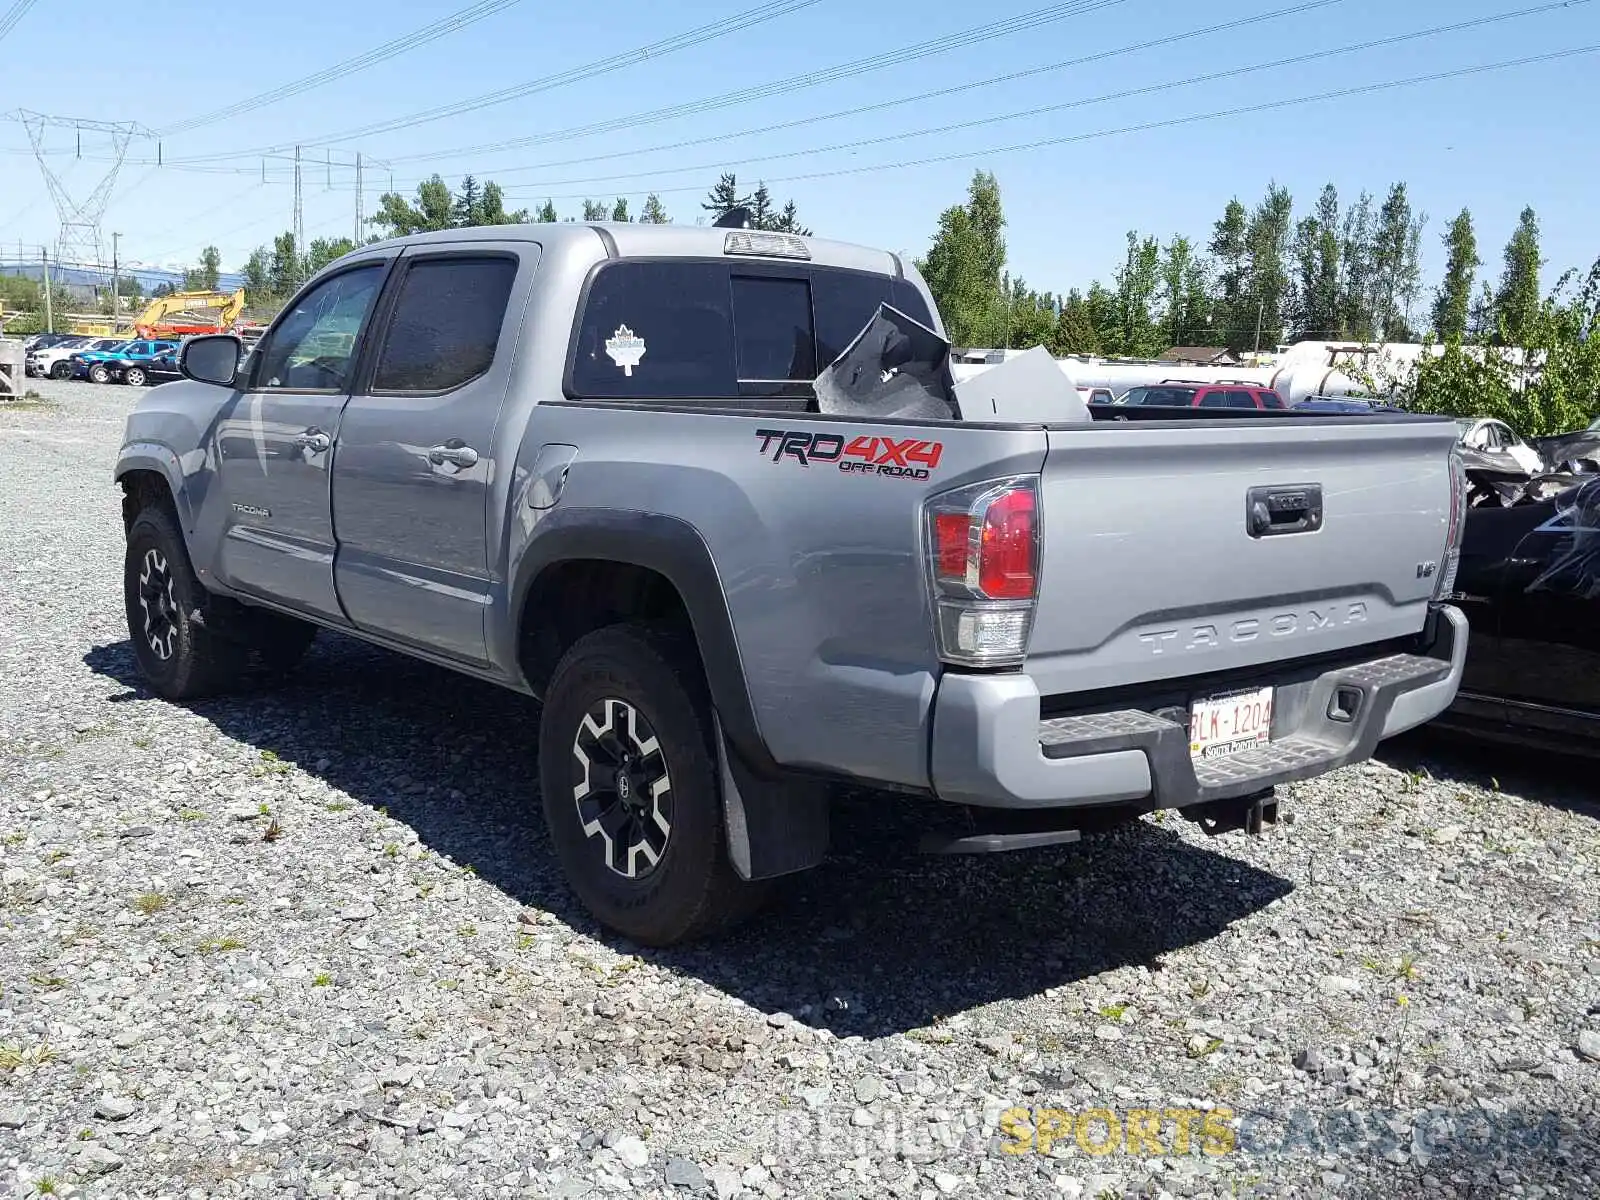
1176,549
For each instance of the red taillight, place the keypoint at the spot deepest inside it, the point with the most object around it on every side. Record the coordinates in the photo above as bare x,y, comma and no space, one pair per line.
1007,548
952,533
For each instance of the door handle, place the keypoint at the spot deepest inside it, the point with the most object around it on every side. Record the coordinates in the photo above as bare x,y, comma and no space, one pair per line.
454,451
313,440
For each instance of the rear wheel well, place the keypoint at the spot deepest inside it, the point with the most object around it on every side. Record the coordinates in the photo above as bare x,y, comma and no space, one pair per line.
572,598
142,490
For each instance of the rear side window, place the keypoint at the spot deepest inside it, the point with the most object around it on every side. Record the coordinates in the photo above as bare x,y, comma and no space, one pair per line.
716,330
1215,399
1242,399
1271,400
1162,396
846,300
445,324
772,332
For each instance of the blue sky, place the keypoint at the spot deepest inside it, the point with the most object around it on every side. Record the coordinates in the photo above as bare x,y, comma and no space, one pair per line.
1493,142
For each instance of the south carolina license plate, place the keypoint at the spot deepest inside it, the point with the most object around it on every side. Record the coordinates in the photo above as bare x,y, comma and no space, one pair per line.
1226,725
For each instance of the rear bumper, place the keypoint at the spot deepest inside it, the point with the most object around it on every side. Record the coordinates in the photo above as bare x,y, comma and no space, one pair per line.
990,748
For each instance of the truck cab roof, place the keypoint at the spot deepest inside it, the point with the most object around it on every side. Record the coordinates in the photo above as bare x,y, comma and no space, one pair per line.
625,239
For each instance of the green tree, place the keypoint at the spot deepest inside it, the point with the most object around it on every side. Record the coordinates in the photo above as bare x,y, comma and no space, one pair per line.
468,205
965,265
1356,270
434,209
286,269
1230,247
204,278
654,213
1315,309
762,210
547,214
1138,282
596,210
1516,300
1105,317
724,198
323,251
1453,302
1184,297
619,210
1267,239
258,275
1075,331
788,221
1397,267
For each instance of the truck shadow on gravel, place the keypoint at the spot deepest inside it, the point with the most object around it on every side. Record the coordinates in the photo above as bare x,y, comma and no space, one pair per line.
876,941
1558,780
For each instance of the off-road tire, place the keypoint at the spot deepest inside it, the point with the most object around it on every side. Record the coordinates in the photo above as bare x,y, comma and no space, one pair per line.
691,891
180,657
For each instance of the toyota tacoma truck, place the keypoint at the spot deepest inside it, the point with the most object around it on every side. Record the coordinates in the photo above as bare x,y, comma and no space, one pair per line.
664,480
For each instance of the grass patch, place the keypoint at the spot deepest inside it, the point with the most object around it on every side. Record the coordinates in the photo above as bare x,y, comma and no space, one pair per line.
150,903
13,1056
338,806
219,945
1113,1012
322,979
193,814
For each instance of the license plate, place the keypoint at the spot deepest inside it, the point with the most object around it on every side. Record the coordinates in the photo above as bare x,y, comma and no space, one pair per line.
1225,725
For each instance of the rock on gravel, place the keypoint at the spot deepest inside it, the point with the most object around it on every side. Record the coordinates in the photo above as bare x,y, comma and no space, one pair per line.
397,996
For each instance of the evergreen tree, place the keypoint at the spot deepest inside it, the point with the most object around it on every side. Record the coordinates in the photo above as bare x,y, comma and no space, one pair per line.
724,197
965,265
1075,331
619,210
654,213
1516,301
547,213
468,203
1453,302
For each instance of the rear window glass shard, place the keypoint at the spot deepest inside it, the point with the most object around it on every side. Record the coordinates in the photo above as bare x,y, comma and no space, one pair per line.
446,324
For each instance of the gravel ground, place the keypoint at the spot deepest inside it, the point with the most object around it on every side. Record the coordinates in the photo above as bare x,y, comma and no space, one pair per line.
311,941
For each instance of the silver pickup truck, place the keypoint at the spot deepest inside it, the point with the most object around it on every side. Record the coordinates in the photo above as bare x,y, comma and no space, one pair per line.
590,463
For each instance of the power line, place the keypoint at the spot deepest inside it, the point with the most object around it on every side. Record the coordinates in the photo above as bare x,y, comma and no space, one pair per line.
1210,77
12,15
1147,126
360,62
850,69
768,11
1148,89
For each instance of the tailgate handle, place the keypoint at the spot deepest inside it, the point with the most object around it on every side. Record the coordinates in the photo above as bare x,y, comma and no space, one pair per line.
1283,508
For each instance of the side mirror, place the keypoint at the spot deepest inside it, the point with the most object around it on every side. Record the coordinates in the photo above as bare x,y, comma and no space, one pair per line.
213,358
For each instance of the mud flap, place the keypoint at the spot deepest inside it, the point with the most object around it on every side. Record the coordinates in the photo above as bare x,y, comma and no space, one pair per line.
775,826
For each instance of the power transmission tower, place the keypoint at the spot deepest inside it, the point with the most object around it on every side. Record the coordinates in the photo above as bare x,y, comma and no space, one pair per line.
79,241
299,215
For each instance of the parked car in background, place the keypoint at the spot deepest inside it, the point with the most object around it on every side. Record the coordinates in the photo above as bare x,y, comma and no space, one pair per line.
1498,440
1565,447
1529,583
99,366
44,341
130,365
1177,394
55,362
163,368
1344,404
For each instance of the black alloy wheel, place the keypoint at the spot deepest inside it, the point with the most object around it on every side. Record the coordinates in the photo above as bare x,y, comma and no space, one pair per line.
622,788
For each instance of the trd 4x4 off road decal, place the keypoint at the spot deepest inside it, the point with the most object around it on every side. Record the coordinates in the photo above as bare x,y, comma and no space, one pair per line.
898,458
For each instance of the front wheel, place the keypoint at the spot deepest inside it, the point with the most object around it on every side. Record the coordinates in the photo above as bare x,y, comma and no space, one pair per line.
61,370
133,377
629,778
99,374
179,656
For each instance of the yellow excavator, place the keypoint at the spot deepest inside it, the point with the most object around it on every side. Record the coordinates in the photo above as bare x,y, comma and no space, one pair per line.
176,315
